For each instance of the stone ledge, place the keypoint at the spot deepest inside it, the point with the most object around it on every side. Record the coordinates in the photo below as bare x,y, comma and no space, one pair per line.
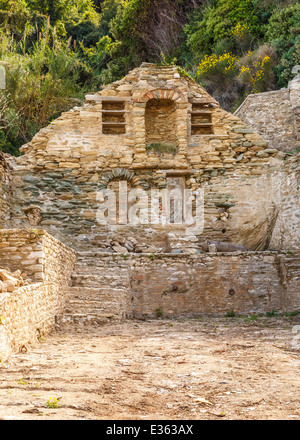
178,255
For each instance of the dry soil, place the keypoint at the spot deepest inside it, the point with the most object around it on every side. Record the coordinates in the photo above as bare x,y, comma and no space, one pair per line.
219,368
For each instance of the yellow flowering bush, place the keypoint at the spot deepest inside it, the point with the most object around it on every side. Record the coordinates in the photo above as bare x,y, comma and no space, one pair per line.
260,79
240,30
215,67
256,73
218,74
242,36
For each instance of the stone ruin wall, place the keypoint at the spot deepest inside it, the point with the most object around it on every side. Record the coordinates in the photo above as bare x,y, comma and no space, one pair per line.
31,311
4,193
249,192
214,284
192,285
55,184
71,212
56,181
275,116
286,184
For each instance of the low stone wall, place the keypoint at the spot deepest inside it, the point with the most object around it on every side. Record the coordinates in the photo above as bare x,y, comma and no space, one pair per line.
214,284
181,285
23,249
31,311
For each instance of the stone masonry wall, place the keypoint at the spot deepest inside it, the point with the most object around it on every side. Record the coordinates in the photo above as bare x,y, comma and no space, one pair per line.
286,193
214,285
275,116
4,193
183,285
68,208
55,183
30,311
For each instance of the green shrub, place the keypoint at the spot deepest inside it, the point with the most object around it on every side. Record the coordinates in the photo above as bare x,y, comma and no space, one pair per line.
230,314
159,312
273,313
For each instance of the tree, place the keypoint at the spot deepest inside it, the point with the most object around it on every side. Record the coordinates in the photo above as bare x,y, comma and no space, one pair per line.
217,22
283,32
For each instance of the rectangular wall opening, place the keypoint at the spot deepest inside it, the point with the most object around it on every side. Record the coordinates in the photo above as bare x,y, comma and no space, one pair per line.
201,120
113,117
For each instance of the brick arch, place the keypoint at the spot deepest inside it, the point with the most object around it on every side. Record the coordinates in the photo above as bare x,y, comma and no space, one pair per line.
118,174
170,94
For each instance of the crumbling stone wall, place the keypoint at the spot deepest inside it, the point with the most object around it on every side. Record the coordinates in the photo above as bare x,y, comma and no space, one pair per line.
275,116
286,193
234,206
4,193
55,183
30,311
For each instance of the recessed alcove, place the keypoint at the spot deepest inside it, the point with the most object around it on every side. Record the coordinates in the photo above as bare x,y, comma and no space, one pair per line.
201,120
160,122
113,117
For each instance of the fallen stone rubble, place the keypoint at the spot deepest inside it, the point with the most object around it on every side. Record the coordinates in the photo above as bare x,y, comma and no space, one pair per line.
10,281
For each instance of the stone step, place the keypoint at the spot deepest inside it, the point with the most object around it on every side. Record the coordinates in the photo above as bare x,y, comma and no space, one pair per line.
83,319
96,255
94,309
86,274
94,312
97,292
115,305
102,299
80,305
89,269
89,266
98,289
99,282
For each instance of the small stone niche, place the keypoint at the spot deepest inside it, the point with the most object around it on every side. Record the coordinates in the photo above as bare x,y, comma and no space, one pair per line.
113,117
201,120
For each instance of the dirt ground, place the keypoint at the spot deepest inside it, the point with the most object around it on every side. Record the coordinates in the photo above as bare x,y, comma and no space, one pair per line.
220,368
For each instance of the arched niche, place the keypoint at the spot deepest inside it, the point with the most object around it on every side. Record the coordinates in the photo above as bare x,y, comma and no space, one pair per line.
119,174
158,125
160,122
119,181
